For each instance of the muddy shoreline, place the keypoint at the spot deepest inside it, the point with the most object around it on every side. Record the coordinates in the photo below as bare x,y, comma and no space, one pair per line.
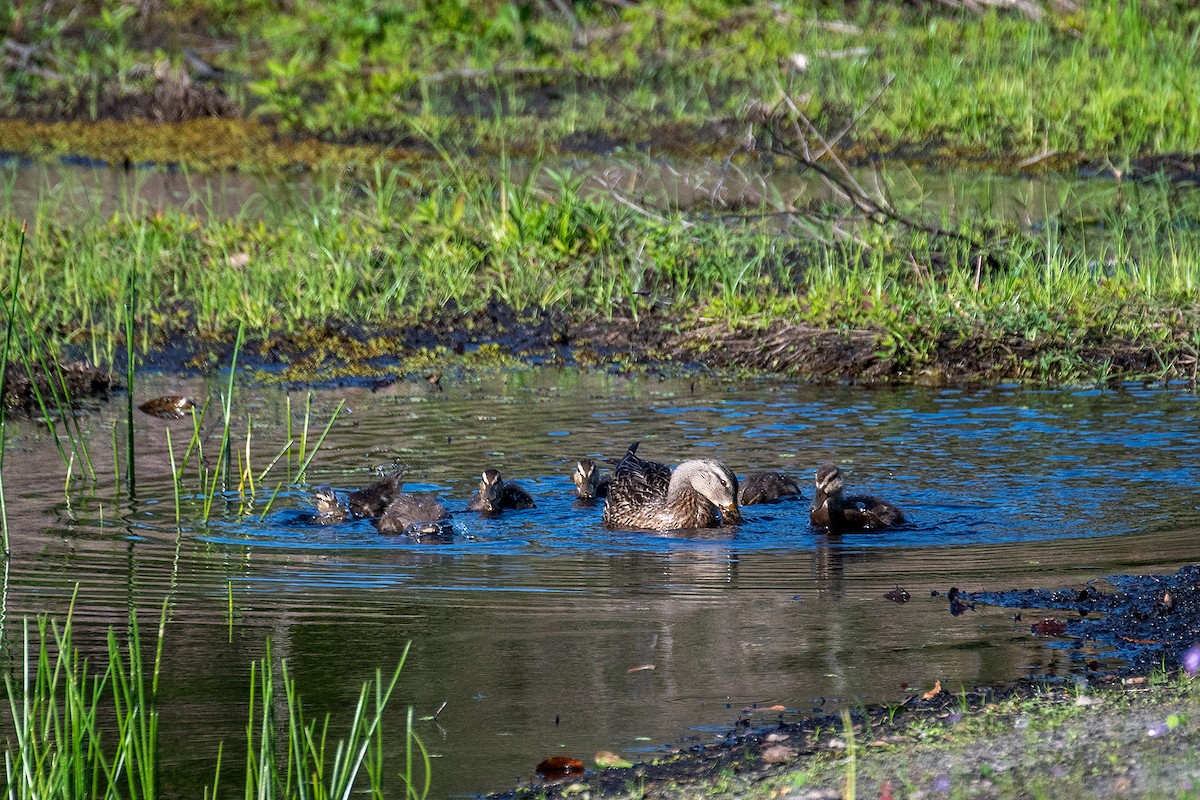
655,341
1150,623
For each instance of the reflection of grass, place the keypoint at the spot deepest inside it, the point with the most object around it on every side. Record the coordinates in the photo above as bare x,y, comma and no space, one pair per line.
1067,299
1110,78
81,727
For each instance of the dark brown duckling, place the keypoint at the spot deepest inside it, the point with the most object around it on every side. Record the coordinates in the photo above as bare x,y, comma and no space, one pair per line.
371,501
833,510
416,515
495,494
589,484
330,510
647,495
766,487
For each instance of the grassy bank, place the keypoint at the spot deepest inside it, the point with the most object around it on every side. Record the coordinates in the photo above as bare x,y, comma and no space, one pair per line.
1107,296
1106,80
1124,741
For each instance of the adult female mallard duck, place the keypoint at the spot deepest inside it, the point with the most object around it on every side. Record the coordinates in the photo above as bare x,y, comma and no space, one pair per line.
416,515
495,494
646,495
589,484
833,510
766,487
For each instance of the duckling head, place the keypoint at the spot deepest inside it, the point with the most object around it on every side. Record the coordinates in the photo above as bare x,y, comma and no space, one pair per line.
489,488
829,480
716,482
586,479
326,501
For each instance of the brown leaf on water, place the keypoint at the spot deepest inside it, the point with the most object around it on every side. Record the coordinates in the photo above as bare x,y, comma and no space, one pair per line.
1132,640
897,595
1049,626
608,759
168,407
558,767
778,754
776,708
642,668
932,693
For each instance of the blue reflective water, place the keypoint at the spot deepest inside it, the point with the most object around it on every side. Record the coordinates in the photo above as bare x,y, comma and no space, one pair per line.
527,624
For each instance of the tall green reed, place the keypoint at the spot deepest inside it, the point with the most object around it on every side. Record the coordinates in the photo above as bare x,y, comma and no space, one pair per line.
80,727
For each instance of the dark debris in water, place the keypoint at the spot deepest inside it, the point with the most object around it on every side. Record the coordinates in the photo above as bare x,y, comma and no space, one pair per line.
1147,621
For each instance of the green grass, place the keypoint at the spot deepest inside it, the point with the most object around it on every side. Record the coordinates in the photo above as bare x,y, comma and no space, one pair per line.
1074,295
88,727
1111,79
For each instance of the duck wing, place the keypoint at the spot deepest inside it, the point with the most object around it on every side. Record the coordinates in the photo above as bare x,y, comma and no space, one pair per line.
371,501
639,480
514,497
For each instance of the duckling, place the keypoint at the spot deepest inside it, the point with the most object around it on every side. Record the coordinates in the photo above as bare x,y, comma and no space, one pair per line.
832,510
588,482
330,510
766,487
370,501
495,495
417,516
646,495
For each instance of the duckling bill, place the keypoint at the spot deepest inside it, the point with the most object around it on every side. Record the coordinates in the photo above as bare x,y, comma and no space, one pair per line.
647,495
834,511
496,494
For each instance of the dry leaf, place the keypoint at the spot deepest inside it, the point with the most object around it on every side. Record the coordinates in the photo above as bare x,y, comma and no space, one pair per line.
606,759
558,767
932,693
168,407
1050,626
239,260
776,708
642,668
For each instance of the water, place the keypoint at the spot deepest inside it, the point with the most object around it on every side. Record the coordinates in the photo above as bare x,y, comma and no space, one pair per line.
73,190
528,625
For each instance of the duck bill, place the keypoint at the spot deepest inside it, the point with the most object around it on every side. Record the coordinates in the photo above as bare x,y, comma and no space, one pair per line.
730,515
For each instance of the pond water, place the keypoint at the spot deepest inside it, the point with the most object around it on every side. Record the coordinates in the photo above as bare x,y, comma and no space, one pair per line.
78,188
527,626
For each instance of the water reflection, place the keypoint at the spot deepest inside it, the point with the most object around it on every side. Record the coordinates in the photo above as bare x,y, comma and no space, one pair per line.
528,624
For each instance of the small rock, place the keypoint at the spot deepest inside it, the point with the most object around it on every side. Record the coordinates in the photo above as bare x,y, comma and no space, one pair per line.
778,754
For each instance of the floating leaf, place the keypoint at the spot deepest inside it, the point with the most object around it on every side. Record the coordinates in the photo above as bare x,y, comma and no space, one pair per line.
168,407
642,668
1050,626
608,759
557,768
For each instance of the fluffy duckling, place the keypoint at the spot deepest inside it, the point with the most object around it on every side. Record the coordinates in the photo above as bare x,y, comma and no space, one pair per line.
646,495
330,510
766,487
589,484
372,500
417,515
495,494
832,510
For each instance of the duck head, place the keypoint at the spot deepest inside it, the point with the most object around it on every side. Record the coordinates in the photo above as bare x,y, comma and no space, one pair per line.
587,480
829,480
716,482
326,501
489,489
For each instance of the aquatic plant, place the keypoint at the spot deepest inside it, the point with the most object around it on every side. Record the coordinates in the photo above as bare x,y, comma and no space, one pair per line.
80,727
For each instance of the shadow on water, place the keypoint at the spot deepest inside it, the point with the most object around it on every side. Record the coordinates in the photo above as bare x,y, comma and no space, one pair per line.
530,626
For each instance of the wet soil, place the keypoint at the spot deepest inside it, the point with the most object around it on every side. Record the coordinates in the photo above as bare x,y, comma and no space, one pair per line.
1148,623
76,383
502,336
